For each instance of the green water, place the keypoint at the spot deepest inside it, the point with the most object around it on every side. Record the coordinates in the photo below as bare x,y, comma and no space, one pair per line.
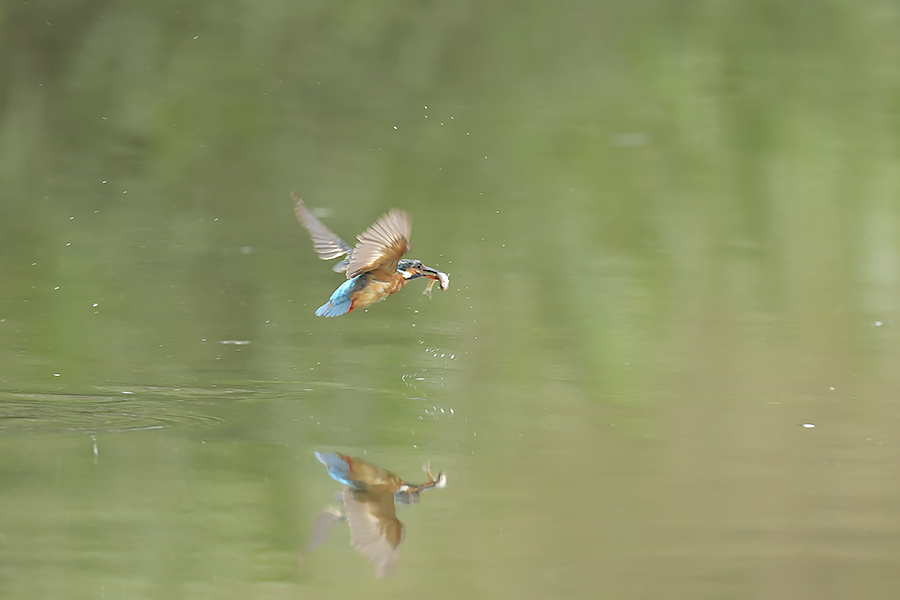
666,365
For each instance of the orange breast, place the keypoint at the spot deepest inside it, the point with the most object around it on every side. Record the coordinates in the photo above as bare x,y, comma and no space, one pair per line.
376,290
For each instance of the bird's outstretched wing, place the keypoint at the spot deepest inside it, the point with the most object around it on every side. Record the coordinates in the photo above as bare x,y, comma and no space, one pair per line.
381,245
327,244
375,531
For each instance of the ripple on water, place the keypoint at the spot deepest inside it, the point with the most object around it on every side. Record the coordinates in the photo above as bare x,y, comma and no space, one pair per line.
108,409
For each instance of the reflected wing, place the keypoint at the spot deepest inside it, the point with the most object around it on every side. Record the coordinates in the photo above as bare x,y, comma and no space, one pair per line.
328,245
381,245
375,531
325,522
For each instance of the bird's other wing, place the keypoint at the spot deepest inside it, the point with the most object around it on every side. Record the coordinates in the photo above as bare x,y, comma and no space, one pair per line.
375,531
325,522
327,244
381,245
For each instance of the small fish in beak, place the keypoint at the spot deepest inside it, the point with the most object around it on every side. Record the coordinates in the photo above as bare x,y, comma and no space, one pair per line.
436,277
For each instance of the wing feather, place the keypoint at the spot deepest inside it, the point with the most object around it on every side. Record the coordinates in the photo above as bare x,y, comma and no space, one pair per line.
325,522
327,244
381,245
375,531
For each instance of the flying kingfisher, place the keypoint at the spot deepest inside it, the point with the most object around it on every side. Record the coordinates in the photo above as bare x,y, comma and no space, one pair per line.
374,267
368,502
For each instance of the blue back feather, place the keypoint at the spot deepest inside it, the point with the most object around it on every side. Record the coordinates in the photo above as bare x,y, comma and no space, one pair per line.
340,301
337,468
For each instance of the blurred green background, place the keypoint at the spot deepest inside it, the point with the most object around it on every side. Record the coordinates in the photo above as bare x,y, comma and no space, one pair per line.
673,236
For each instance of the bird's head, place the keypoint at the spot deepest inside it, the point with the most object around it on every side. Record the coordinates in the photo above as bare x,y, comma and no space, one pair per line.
412,268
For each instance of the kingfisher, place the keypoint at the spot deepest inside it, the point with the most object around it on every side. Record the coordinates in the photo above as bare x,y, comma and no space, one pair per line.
368,499
374,268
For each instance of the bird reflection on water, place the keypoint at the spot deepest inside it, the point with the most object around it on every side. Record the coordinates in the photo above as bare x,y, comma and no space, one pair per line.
368,506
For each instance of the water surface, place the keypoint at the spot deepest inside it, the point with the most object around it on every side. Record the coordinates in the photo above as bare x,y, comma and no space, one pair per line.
665,367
